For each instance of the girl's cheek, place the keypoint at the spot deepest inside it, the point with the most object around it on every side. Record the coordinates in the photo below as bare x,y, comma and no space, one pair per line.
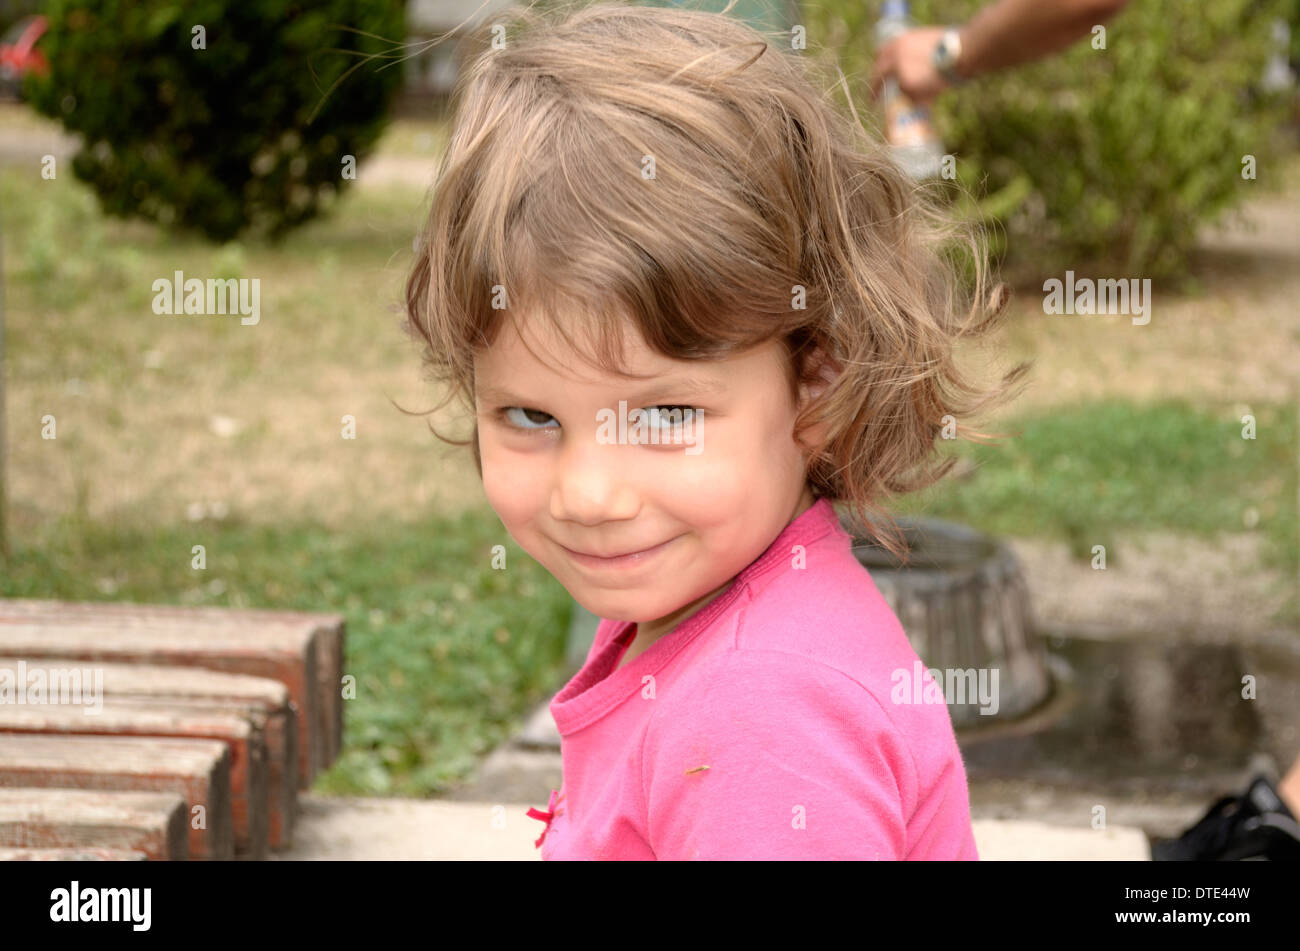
511,483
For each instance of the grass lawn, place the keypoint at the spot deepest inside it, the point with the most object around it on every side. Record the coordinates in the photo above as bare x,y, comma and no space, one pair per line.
174,432
448,654
1089,473
177,431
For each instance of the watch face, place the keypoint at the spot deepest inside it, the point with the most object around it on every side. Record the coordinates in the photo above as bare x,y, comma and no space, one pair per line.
943,53
946,53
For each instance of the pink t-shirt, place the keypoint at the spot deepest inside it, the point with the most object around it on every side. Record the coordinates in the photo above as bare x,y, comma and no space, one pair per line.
781,687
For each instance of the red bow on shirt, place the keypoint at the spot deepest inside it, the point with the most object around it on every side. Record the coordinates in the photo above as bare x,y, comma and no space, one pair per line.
547,816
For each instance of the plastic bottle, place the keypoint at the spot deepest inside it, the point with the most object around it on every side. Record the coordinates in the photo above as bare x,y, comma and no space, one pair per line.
908,127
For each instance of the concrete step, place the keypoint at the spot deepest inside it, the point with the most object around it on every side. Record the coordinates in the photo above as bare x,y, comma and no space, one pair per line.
342,828
512,774
356,828
1013,840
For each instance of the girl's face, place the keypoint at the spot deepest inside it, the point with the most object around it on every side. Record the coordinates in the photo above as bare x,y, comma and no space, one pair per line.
574,489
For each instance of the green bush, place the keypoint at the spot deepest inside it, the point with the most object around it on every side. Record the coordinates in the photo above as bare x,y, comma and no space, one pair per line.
1293,22
1101,158
11,11
223,138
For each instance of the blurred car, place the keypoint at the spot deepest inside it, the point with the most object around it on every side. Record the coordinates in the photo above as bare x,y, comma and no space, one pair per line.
19,55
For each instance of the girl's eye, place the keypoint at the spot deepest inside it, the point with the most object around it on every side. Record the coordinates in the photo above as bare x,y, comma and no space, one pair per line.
667,416
513,414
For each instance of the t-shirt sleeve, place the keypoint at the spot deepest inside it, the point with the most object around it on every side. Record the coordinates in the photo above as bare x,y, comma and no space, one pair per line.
802,763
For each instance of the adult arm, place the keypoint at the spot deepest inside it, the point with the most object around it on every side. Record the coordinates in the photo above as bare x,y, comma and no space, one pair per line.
1001,35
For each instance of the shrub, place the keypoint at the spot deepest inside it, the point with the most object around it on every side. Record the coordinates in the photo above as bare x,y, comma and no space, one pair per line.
218,139
1105,158
11,11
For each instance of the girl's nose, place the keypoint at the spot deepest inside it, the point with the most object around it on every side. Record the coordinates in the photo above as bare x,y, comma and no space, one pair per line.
593,484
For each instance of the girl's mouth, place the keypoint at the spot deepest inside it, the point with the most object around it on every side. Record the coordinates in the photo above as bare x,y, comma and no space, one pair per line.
628,560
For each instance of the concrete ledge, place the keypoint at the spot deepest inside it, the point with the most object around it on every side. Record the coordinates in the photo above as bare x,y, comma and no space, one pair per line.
338,828
1000,840
346,828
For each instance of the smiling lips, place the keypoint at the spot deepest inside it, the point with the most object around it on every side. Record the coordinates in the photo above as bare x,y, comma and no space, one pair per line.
592,554
630,558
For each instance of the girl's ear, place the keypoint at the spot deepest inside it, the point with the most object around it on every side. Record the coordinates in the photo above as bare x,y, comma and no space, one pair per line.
825,370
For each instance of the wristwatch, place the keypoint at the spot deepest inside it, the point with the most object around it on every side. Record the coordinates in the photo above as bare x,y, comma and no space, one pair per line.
946,54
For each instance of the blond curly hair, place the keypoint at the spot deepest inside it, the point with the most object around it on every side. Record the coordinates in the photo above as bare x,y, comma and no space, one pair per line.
770,214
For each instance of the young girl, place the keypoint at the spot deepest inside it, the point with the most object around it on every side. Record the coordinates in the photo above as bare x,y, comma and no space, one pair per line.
690,305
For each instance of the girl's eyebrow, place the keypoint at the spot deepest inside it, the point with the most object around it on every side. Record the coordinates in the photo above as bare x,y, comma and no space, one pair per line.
687,385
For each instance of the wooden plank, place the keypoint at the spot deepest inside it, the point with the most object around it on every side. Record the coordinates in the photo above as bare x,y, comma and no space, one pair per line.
290,659
264,701
280,730
147,822
329,629
288,651
197,770
164,681
72,855
245,739
329,669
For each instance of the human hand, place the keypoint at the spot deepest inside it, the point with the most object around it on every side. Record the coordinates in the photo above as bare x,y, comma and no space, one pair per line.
909,58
